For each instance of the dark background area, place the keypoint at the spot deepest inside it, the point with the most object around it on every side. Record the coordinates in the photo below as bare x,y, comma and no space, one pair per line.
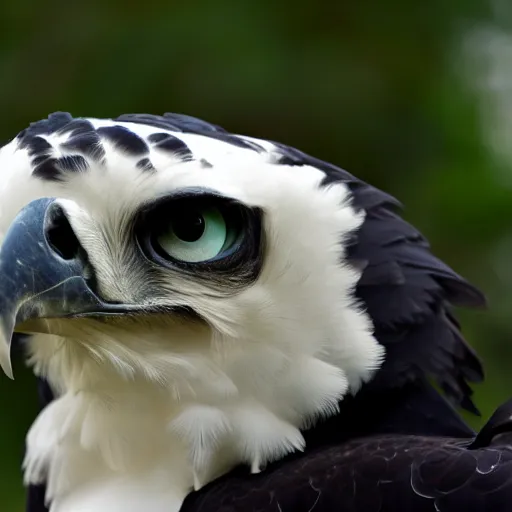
414,97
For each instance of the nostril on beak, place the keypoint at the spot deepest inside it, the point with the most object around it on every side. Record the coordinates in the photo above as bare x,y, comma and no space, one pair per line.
60,235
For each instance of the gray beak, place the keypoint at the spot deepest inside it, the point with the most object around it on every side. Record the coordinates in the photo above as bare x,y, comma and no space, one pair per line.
44,273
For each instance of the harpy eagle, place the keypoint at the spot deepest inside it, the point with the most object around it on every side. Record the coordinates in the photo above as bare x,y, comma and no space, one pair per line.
224,323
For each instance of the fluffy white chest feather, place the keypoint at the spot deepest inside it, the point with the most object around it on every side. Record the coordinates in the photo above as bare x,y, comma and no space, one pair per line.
102,452
133,446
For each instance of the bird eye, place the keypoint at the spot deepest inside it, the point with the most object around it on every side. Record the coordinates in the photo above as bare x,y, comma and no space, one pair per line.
196,234
201,231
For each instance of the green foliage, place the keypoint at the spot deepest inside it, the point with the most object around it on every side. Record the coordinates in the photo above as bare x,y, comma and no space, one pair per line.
376,87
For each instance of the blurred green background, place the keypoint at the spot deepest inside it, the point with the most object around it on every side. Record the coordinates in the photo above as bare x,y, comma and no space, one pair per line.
414,97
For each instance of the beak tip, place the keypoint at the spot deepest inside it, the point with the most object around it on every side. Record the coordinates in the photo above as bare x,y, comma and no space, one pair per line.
6,365
5,350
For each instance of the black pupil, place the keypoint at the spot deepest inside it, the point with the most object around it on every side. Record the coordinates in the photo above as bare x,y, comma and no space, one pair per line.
189,226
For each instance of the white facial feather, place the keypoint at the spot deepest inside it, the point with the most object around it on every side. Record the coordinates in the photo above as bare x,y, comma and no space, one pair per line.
152,407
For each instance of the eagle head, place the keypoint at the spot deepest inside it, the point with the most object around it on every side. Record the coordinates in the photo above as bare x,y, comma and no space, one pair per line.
188,297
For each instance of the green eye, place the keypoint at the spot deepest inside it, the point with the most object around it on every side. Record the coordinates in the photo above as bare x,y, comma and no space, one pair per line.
196,235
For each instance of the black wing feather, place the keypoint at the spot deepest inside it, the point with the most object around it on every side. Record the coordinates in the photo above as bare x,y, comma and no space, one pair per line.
386,473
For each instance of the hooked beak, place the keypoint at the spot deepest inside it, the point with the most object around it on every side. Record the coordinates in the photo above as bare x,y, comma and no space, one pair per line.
38,281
